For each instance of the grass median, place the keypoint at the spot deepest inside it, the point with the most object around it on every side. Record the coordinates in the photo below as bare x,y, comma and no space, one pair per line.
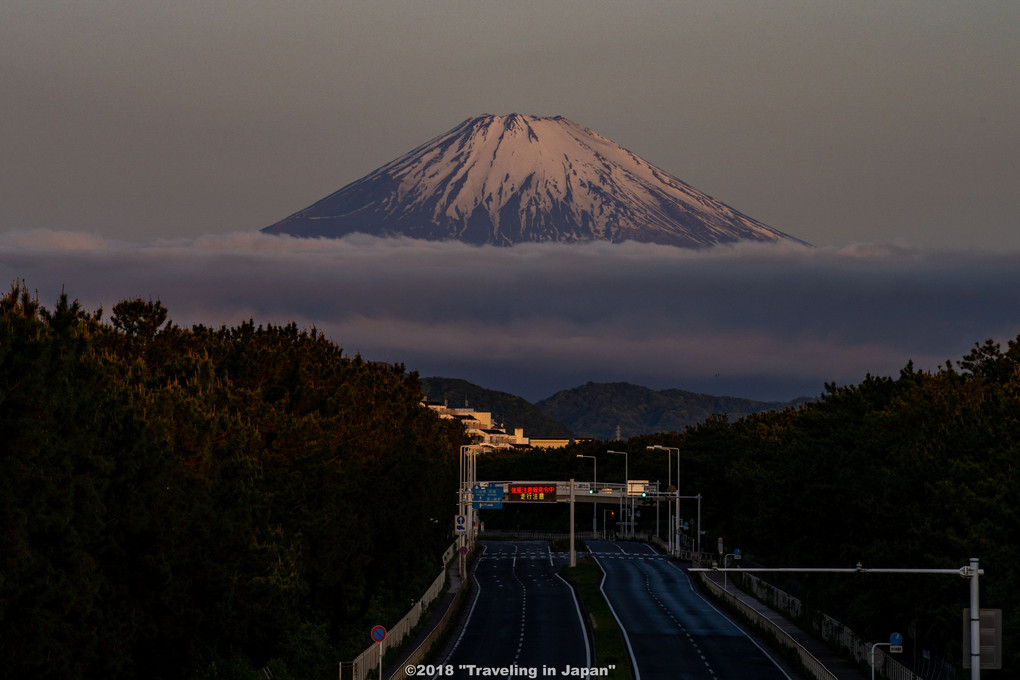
610,648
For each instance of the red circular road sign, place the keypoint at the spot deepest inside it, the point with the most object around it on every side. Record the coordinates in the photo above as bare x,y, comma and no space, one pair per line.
378,633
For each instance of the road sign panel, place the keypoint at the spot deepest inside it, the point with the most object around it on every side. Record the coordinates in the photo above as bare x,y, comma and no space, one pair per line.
533,493
460,524
487,495
493,492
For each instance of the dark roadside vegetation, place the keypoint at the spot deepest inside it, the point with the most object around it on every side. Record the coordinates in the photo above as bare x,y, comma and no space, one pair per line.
212,502
206,503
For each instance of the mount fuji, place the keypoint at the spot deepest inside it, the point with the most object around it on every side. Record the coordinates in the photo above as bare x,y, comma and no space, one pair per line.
511,179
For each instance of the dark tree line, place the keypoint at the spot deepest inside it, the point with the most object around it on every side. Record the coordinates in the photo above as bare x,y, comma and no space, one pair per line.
207,502
916,471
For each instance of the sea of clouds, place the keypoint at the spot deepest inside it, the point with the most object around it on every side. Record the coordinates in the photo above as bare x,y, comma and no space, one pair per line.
762,321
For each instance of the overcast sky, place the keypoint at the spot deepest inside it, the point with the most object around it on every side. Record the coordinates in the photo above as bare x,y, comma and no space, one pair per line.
836,122
144,142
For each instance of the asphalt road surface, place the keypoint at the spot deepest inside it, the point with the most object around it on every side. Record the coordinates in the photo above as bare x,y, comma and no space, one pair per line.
671,631
521,617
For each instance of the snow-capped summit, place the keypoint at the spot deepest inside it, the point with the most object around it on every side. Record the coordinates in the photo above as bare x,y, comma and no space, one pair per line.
511,179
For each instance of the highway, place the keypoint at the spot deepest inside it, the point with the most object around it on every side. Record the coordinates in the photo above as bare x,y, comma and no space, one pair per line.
521,617
671,631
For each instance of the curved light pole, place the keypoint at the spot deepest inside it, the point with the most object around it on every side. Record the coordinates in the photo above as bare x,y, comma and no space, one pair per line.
626,485
674,535
465,506
726,563
595,489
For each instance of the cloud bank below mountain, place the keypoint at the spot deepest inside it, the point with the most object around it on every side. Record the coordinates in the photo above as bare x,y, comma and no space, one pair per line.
762,321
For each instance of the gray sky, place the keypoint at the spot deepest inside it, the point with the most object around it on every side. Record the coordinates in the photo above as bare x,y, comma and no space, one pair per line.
836,122
145,143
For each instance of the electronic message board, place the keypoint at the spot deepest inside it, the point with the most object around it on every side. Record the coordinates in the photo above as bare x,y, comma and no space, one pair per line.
531,493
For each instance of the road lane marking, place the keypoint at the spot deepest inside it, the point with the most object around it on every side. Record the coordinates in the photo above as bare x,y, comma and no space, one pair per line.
581,621
690,584
623,629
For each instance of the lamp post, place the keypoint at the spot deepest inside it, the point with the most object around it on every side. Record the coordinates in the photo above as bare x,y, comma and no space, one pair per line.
465,506
894,646
626,485
726,562
595,489
674,536
698,549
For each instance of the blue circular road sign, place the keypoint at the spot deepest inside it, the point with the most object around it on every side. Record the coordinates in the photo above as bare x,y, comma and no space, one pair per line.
896,639
378,633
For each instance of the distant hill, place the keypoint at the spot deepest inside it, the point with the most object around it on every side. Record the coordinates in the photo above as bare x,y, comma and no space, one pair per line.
510,410
598,409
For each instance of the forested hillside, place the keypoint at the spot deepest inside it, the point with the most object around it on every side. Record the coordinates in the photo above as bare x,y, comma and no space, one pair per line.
206,502
507,409
601,409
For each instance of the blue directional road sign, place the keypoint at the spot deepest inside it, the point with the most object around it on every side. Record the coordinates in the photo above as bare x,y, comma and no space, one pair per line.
896,639
489,496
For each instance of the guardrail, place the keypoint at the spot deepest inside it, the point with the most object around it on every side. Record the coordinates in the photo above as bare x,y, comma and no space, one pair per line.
772,596
829,628
368,660
813,665
418,655
834,631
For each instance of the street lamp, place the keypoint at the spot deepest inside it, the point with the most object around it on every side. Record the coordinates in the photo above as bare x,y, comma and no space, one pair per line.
894,646
595,489
726,563
465,506
675,532
626,484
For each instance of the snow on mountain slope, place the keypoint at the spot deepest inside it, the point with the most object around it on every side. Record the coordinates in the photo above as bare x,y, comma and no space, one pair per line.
510,179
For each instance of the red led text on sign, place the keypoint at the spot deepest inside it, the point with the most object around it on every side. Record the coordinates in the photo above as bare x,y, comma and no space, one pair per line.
540,493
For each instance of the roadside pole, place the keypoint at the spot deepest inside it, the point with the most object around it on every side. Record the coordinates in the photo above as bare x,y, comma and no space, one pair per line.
573,553
975,622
